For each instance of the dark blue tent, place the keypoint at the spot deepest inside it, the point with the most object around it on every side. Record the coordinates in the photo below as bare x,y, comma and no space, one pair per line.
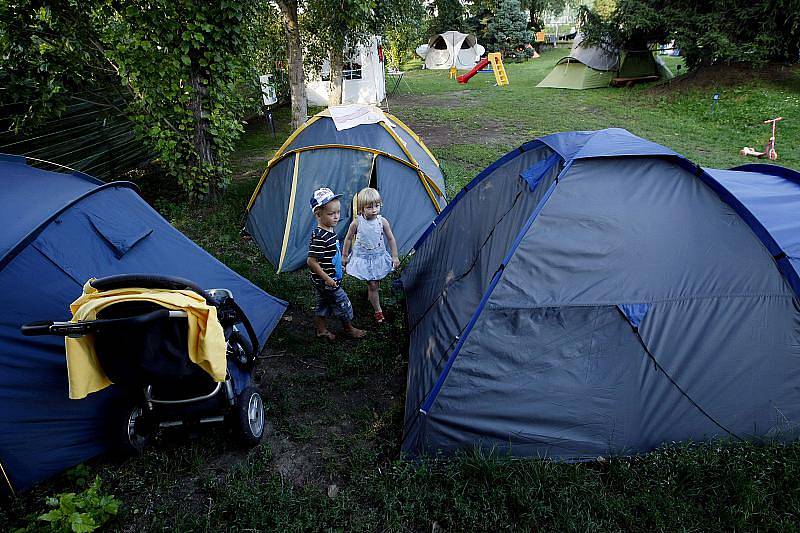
594,293
59,230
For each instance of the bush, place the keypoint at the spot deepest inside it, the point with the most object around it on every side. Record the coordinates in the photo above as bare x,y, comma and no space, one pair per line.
508,30
81,512
707,33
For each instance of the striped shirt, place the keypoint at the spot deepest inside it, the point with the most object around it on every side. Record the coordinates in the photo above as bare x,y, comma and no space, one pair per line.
324,247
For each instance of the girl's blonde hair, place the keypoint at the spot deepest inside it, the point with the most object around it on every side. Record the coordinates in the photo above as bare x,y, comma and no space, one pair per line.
368,196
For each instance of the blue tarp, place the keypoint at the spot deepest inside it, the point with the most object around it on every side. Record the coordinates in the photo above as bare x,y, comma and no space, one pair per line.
59,230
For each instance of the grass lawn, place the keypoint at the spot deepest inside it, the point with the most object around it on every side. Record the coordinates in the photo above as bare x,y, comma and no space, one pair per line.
330,460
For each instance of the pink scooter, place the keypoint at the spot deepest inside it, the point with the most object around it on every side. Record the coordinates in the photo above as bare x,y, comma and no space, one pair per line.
769,150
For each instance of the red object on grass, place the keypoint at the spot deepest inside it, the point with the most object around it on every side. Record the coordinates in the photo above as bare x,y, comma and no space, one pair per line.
464,78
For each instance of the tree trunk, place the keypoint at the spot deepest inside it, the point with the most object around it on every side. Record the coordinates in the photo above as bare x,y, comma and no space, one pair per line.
203,146
297,82
337,65
536,22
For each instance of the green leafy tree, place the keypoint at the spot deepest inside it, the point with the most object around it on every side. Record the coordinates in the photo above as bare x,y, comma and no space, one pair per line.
508,31
336,25
402,23
183,63
605,8
269,45
179,66
290,12
479,15
537,9
718,31
446,15
50,53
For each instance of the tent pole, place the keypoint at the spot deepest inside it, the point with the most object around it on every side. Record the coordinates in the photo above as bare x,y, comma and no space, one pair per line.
8,481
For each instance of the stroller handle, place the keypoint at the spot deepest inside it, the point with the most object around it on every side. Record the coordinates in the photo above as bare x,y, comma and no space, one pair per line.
81,328
147,281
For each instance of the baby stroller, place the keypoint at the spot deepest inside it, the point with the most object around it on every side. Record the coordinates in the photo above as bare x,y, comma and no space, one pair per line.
142,348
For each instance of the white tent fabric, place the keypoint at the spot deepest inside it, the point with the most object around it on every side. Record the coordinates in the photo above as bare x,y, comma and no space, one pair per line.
363,82
451,49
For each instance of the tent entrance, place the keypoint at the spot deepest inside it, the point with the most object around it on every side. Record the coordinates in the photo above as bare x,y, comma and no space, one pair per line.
373,175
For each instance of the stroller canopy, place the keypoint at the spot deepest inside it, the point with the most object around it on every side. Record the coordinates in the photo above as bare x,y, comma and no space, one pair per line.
594,293
59,230
387,156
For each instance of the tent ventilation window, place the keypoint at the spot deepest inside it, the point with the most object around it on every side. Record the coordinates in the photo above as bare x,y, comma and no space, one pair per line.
351,71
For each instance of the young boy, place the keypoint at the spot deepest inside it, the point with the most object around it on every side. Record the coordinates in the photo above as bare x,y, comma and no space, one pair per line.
325,262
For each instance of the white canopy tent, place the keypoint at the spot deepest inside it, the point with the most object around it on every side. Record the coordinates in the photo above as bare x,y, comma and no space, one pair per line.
451,49
363,77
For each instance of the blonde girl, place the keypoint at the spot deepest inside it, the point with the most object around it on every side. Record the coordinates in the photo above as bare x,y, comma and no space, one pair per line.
370,261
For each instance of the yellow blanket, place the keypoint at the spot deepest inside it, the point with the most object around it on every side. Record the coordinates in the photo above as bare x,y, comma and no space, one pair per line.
206,338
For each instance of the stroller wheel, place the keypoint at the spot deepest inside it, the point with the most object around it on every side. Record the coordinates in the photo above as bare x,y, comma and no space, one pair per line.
135,433
247,418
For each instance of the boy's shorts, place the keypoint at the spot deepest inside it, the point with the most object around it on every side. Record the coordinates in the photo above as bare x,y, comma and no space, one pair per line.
333,302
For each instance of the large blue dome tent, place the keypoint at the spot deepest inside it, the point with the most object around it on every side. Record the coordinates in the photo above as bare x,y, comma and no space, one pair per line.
59,230
593,294
386,155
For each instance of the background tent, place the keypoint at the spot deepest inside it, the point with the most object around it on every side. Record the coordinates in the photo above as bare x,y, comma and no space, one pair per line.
387,156
594,293
59,230
451,49
363,77
592,67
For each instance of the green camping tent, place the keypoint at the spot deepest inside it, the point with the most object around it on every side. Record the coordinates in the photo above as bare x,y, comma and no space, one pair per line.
589,67
569,73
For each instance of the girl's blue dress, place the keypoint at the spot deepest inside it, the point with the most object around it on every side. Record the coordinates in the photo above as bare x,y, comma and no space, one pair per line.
369,260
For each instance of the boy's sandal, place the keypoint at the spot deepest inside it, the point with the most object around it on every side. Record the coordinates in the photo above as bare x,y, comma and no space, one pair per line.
379,317
327,335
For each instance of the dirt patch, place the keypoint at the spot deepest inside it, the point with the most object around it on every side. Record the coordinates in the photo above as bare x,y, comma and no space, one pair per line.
437,134
730,76
463,98
315,414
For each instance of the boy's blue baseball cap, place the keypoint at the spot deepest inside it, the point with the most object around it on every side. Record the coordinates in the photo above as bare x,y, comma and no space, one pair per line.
322,196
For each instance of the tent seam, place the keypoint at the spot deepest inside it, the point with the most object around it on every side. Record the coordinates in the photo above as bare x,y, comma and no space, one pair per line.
475,262
431,397
283,156
485,173
290,212
415,137
410,157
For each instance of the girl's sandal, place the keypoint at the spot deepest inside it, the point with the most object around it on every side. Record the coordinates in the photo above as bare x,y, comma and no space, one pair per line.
327,335
379,317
